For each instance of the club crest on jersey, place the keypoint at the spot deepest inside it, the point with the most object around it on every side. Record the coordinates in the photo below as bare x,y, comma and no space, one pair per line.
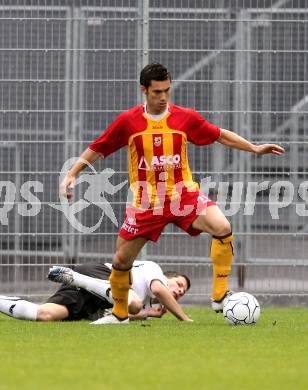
157,141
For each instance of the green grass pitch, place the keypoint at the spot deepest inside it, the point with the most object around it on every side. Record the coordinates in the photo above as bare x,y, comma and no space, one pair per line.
158,354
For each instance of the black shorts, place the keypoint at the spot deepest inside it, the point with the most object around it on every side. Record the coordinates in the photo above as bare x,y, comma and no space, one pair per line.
80,303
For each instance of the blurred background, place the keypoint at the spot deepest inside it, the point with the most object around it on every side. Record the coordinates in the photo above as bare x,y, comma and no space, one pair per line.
68,68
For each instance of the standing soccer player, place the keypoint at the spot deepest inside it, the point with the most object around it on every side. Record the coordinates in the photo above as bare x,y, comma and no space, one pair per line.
156,134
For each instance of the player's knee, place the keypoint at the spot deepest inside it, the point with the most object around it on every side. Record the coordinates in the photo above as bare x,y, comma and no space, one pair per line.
223,228
121,259
45,314
52,312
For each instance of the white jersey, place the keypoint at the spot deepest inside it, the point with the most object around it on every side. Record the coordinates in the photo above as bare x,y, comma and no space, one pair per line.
144,272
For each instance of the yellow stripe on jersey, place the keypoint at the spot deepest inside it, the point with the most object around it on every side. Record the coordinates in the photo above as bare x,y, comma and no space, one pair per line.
132,162
133,171
186,172
147,140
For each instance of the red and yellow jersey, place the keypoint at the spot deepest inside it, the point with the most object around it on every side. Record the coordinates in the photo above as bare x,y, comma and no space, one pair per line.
157,150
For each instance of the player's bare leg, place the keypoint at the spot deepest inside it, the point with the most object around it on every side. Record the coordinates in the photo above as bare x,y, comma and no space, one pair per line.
215,223
52,312
121,278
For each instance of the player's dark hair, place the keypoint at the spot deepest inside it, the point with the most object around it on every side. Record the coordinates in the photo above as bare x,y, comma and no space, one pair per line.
154,71
173,274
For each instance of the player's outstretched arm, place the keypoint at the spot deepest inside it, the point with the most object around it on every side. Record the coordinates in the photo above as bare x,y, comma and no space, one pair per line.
148,312
68,183
167,300
233,140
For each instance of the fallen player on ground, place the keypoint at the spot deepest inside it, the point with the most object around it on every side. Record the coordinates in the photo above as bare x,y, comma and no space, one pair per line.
86,294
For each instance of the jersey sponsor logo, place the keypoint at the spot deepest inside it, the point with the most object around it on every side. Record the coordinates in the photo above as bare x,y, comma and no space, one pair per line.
129,229
157,127
131,221
159,163
143,164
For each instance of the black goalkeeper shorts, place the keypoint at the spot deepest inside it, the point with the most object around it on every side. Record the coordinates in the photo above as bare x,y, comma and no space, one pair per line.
80,303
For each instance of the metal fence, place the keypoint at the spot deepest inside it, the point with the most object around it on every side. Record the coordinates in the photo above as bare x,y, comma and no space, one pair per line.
68,68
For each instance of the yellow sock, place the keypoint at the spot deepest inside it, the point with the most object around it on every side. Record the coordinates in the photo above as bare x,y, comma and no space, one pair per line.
120,283
222,257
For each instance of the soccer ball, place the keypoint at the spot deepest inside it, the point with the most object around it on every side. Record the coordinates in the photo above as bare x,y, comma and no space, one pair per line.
241,309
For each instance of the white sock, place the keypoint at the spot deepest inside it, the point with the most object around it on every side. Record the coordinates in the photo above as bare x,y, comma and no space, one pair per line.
18,308
98,287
